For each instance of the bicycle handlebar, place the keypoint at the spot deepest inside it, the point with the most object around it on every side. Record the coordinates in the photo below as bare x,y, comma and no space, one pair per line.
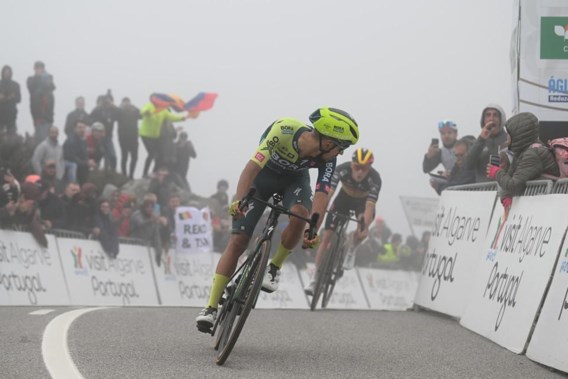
312,222
360,221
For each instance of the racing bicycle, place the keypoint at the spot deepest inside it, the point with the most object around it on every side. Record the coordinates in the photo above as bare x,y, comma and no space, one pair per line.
244,287
331,265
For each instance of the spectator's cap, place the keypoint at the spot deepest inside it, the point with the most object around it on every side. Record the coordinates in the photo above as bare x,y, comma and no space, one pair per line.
222,182
39,64
97,126
447,125
31,191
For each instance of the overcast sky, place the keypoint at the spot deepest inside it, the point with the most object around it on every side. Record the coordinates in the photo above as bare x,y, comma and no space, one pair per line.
397,66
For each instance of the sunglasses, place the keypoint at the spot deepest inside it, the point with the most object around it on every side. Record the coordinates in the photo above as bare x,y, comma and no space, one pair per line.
342,145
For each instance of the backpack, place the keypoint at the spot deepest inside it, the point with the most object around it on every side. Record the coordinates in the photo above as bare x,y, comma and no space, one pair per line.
559,148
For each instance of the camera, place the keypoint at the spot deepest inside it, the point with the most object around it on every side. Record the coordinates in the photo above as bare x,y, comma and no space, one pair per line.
435,141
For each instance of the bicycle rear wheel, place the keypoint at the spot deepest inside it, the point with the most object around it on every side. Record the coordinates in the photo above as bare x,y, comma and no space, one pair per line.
244,299
323,273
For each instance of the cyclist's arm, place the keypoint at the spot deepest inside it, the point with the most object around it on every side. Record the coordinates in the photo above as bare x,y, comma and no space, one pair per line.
246,179
319,206
323,188
369,213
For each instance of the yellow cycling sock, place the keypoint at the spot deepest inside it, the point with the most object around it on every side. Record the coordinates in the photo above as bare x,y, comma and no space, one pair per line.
219,284
280,256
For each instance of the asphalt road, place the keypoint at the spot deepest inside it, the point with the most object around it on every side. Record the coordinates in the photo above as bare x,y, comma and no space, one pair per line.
164,343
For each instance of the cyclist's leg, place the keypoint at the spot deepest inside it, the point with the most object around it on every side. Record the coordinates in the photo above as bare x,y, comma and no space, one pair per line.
243,229
297,197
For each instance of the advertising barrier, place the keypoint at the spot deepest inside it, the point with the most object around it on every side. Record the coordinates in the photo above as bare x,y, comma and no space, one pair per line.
348,292
185,279
454,250
515,269
30,274
549,342
391,290
94,279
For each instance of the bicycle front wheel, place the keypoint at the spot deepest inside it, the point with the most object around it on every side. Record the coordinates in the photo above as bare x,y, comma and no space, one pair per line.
323,273
244,299
334,272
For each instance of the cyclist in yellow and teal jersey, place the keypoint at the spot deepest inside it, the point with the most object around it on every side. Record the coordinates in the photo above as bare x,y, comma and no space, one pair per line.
280,164
360,187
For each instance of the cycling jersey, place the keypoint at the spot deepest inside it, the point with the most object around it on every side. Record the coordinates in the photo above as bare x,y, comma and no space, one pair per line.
278,151
368,188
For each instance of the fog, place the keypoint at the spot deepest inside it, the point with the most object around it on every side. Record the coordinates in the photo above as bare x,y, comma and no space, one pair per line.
397,66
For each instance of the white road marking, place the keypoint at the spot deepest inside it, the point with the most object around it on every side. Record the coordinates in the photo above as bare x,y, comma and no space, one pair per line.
54,348
41,312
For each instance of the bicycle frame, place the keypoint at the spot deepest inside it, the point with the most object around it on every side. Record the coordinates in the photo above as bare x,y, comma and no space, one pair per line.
251,272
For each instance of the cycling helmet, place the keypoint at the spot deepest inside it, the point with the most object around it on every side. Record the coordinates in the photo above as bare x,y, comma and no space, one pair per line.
336,124
363,156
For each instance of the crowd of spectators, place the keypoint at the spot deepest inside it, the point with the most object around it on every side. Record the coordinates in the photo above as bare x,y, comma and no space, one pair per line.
75,186
507,151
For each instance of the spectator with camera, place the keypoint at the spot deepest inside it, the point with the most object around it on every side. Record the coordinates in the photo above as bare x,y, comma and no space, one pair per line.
445,155
492,137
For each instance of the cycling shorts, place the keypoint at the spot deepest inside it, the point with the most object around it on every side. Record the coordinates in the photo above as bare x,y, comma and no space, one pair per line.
294,189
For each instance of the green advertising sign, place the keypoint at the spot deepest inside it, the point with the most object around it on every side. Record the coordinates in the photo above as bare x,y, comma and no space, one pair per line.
554,38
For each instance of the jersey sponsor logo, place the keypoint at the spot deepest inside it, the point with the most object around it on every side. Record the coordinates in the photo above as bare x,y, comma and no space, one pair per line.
286,129
328,172
259,156
284,163
297,191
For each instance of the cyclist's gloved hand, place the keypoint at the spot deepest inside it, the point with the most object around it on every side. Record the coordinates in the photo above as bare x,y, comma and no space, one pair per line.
235,210
310,244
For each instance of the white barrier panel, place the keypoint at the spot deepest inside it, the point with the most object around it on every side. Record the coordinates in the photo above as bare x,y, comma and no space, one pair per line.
391,290
549,342
94,279
185,279
30,274
515,269
454,250
348,293
290,294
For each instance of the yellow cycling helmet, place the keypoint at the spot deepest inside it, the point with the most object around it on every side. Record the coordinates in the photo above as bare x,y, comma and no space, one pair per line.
363,156
336,124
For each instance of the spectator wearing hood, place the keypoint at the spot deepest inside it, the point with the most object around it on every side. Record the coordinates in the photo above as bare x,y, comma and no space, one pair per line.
42,101
531,158
105,229
49,150
146,224
9,97
491,139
